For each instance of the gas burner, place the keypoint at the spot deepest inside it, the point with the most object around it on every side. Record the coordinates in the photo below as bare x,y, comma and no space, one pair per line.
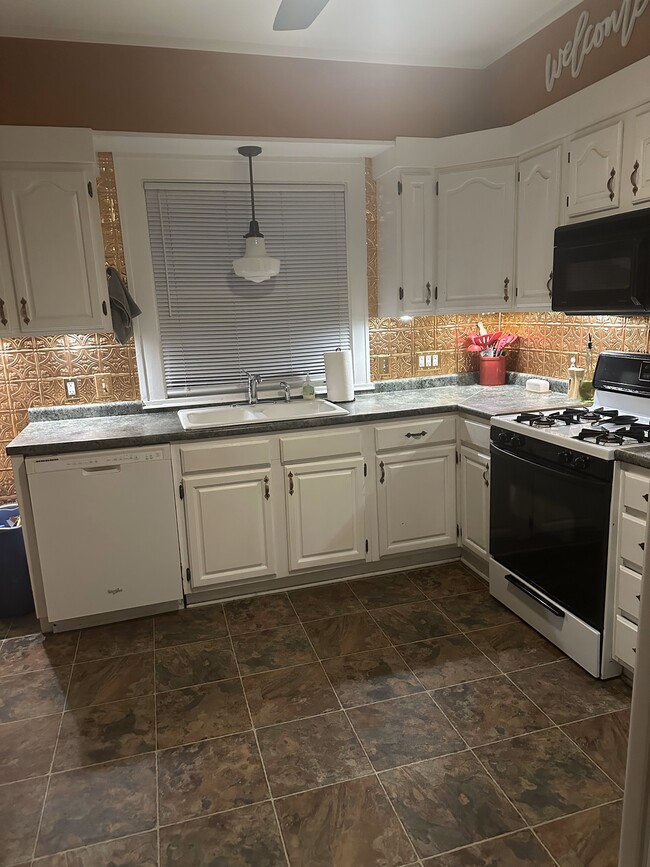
543,421
637,431
601,436
590,415
568,416
620,419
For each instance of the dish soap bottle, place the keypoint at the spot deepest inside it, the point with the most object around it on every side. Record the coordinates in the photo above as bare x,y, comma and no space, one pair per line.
308,390
587,384
576,375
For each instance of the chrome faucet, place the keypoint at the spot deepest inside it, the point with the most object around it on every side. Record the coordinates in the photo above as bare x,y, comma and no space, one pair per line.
254,380
287,390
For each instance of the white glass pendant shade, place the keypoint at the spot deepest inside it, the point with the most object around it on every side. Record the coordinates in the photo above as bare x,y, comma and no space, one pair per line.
255,265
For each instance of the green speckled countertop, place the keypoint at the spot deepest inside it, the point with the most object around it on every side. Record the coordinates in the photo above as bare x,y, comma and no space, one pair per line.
135,427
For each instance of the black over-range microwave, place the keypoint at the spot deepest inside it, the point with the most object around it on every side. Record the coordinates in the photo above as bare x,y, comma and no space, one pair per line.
603,266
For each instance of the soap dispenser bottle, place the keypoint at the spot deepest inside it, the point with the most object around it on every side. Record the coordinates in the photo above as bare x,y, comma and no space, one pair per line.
576,375
308,390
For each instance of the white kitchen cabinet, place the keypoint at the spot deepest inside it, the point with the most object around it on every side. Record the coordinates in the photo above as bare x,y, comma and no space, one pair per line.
325,512
416,495
636,159
475,501
230,528
538,215
55,249
594,170
476,238
406,239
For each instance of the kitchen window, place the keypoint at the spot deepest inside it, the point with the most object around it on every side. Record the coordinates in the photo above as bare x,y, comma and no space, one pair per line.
213,325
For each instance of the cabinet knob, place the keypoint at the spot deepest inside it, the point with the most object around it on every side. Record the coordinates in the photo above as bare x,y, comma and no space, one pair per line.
549,285
634,178
428,299
3,318
382,477
610,184
506,283
23,310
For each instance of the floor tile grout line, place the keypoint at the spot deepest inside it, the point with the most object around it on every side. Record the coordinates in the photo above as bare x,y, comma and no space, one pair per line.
370,764
54,751
257,743
534,826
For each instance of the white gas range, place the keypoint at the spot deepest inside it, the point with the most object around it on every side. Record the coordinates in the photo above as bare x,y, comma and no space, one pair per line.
550,508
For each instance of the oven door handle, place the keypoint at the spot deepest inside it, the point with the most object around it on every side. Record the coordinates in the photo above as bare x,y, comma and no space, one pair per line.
534,595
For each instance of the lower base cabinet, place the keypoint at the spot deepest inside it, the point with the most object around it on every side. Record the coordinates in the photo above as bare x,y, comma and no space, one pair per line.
230,532
325,513
475,501
416,495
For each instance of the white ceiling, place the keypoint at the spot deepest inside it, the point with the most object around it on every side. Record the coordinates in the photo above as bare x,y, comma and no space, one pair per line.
463,33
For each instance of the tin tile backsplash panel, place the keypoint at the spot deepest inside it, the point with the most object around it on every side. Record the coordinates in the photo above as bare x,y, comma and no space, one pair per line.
33,370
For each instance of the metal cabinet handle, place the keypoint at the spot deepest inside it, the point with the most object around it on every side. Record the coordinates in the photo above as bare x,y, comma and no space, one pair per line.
382,477
3,318
428,299
634,177
416,436
23,310
486,477
549,285
506,283
610,184
267,491
291,484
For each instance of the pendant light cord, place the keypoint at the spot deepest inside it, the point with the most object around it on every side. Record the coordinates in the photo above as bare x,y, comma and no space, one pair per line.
250,175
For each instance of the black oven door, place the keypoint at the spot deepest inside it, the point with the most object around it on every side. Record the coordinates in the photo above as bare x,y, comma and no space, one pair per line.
549,526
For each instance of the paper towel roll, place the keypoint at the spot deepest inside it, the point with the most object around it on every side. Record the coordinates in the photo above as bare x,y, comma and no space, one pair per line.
339,376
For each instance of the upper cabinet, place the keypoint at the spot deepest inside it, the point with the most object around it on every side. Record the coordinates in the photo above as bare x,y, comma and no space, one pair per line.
636,158
476,238
54,250
406,244
538,215
594,170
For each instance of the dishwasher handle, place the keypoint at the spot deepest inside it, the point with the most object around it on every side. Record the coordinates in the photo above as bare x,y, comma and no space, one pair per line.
107,468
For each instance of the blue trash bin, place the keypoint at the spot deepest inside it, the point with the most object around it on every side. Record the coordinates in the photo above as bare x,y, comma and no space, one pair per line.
16,597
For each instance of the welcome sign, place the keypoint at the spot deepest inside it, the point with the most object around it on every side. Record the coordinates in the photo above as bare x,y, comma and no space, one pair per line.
589,36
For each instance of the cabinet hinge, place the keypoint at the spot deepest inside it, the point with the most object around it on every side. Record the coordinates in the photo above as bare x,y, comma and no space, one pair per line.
567,201
399,188
518,177
365,469
367,546
181,491
104,308
516,291
459,532
568,157
457,457
435,294
437,188
400,293
188,574
90,189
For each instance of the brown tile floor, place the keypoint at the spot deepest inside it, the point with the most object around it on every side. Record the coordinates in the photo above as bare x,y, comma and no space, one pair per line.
401,720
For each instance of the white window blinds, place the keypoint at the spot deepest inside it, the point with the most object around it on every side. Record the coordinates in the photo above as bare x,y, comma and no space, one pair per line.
213,325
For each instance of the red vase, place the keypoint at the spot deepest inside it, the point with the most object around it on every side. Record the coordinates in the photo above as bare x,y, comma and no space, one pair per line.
492,370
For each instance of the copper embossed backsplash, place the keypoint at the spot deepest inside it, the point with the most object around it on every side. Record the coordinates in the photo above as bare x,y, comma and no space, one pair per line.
545,346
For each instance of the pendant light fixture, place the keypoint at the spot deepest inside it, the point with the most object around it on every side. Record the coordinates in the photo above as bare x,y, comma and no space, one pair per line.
255,265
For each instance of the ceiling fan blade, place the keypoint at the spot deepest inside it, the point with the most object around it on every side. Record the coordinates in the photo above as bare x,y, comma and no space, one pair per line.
298,14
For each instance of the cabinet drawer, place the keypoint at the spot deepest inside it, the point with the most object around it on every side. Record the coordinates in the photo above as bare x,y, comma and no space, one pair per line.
301,447
417,432
633,533
636,491
227,455
475,434
628,594
625,637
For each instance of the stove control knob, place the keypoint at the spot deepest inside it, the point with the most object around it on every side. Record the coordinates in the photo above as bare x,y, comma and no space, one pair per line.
565,458
503,437
517,440
581,463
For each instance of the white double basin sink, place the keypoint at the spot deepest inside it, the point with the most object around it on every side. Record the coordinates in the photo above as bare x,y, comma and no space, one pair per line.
258,413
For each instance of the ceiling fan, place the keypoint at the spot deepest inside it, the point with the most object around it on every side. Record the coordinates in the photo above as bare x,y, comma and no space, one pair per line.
298,14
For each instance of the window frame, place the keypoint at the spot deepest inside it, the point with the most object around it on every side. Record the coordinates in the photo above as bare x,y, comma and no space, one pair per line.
133,171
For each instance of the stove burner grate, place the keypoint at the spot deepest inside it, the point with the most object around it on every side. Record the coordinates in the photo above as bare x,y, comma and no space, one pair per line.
602,436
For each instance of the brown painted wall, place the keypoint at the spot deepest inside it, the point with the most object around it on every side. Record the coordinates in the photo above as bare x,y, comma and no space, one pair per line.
139,89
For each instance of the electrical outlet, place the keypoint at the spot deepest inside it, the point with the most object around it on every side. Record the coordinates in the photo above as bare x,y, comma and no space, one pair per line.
421,361
103,386
434,361
383,365
70,389
427,361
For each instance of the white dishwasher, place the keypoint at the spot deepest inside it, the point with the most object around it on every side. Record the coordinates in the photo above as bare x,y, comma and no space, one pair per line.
106,531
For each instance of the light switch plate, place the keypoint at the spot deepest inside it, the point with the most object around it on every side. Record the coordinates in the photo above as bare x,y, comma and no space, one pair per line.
103,386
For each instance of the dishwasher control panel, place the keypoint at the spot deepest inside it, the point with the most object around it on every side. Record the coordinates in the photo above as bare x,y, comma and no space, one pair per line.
92,460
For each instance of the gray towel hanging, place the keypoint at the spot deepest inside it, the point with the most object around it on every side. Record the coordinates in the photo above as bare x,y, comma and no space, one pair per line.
123,307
